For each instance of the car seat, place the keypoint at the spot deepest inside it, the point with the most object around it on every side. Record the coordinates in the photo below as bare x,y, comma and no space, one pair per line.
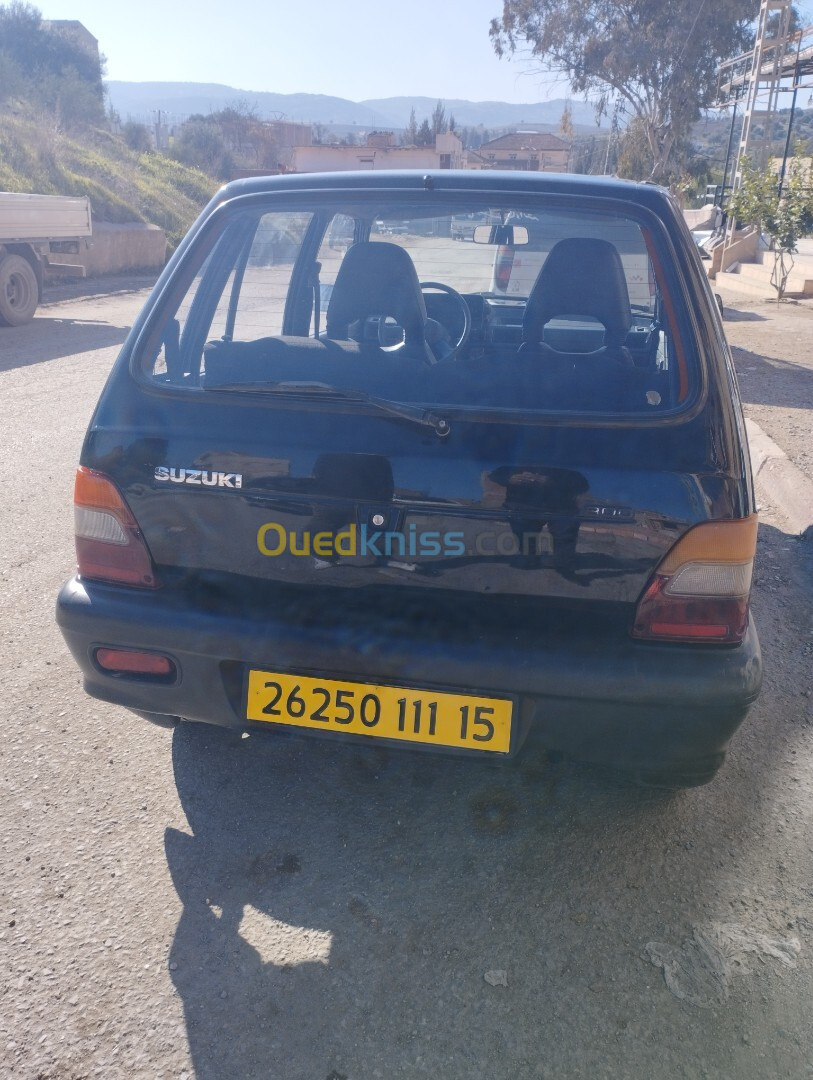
581,282
377,280
582,278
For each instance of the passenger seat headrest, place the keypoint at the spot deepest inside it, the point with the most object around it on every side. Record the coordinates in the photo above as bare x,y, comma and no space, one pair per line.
581,276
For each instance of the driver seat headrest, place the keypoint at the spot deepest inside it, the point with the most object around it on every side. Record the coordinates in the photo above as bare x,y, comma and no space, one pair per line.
582,276
377,278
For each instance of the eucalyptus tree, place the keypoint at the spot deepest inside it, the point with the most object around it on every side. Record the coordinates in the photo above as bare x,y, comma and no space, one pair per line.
656,61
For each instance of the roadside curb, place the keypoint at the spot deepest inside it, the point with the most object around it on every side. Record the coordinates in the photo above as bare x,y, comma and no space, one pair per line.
783,484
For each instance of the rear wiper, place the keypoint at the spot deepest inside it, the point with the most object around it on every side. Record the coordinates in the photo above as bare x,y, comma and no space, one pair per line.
416,413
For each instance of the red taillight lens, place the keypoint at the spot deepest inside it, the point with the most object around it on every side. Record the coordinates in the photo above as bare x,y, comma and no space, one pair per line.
133,662
109,544
503,265
700,590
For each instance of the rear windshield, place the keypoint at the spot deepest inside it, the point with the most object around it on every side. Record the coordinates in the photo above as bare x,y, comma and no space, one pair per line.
472,306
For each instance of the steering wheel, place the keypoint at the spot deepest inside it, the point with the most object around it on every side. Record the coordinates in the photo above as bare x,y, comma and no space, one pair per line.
438,286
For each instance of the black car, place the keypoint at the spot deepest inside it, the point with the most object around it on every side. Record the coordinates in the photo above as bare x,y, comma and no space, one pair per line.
383,491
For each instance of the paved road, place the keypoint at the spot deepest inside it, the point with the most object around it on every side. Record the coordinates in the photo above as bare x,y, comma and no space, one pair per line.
172,908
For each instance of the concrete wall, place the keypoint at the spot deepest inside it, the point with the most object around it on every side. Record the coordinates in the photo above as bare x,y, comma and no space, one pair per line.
118,248
743,248
704,218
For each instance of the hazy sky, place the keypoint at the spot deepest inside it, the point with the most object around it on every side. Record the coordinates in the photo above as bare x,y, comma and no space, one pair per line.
354,49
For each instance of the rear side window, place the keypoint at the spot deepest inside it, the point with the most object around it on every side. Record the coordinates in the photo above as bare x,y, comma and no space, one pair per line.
239,293
488,305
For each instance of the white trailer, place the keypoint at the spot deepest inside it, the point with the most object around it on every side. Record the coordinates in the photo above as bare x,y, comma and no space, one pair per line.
32,227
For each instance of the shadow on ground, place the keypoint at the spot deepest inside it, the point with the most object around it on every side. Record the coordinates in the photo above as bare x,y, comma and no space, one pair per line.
58,290
342,907
735,315
45,339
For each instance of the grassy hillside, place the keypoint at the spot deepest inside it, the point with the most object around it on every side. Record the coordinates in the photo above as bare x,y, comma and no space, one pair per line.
122,185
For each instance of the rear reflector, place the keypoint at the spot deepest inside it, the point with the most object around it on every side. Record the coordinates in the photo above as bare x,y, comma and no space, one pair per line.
700,590
131,662
109,544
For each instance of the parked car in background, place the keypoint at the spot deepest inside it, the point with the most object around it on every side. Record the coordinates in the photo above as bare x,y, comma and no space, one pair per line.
390,228
463,225
459,498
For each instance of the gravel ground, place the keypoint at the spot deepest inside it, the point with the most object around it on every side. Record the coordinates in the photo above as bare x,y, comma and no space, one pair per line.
183,904
773,353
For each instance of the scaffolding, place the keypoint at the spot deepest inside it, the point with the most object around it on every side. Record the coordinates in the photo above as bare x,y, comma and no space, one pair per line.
780,62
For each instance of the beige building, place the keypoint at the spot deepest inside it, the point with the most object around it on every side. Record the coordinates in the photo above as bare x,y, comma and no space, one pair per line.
379,152
75,32
527,151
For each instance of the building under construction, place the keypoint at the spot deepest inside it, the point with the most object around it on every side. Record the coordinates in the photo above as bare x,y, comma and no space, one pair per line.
781,62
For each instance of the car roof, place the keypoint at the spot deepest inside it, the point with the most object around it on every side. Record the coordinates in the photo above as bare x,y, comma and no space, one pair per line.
502,181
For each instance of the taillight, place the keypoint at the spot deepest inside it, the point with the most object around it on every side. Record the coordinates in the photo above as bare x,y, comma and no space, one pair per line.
700,590
503,265
109,544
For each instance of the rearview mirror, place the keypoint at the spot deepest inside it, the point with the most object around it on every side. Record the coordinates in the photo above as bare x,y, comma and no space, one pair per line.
504,235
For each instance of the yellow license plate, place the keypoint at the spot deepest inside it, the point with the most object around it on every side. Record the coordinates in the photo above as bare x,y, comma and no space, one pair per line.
384,712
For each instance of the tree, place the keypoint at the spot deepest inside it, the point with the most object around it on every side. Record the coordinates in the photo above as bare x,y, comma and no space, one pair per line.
200,143
586,155
46,67
439,119
634,158
137,136
222,141
659,59
411,132
783,211
425,136
566,121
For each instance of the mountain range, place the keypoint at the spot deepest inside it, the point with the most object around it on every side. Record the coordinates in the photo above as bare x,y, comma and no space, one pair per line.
177,100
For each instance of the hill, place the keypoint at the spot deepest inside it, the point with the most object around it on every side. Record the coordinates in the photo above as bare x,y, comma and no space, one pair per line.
55,138
490,114
122,185
710,135
141,101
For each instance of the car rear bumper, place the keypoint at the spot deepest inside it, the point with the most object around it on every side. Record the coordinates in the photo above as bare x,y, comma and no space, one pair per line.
639,706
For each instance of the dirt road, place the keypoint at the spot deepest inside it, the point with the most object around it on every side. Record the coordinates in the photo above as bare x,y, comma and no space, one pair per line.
173,906
773,350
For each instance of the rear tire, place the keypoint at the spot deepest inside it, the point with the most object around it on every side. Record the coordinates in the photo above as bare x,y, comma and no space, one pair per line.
19,291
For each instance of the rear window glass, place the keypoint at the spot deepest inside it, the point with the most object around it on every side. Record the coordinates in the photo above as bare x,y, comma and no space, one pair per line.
491,307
